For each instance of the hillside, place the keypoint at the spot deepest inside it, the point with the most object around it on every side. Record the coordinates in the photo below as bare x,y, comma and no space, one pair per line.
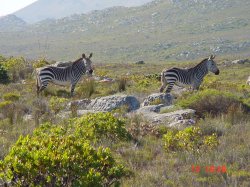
54,9
157,31
11,22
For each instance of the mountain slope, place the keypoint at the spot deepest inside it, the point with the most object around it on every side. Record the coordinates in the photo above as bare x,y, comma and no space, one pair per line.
44,9
159,31
11,22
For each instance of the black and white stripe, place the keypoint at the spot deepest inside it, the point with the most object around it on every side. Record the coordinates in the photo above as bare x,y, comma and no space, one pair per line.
64,75
193,76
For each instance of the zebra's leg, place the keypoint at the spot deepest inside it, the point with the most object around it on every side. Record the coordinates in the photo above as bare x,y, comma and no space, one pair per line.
163,82
169,88
72,88
37,86
42,87
196,86
163,86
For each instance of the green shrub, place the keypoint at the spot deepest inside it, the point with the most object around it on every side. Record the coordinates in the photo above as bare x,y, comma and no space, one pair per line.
40,63
101,125
189,139
57,104
7,108
4,77
122,83
212,102
87,88
59,158
15,67
11,96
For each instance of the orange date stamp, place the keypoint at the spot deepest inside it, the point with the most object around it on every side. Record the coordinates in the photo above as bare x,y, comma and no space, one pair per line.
209,169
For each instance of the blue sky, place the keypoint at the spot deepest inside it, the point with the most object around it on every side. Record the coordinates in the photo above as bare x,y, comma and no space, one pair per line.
10,6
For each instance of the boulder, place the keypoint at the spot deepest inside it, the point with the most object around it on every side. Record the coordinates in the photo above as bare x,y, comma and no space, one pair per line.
178,119
240,61
112,102
158,98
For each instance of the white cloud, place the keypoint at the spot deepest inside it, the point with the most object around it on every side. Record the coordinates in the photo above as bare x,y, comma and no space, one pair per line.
10,6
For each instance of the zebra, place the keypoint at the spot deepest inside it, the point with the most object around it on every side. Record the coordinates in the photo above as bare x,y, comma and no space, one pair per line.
64,75
192,76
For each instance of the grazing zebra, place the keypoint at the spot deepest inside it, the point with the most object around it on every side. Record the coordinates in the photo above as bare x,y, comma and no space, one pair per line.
64,75
193,76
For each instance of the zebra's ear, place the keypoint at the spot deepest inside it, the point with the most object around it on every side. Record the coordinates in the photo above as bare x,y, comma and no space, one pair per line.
83,55
211,57
91,54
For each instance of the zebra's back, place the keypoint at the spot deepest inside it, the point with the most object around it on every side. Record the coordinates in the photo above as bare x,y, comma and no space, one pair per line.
180,76
56,75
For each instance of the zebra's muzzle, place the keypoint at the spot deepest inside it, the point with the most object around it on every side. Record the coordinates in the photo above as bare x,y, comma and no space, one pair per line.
217,72
91,71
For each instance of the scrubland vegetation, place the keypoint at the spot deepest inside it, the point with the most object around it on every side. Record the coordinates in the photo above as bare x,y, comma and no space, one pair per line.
106,149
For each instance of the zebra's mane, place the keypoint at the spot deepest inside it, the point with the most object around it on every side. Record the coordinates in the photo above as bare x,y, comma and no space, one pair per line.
77,60
204,60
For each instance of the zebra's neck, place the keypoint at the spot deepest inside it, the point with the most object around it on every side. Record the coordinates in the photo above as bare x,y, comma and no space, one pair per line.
200,70
79,67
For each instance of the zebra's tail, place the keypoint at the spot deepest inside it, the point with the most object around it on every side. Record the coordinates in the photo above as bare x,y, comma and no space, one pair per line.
38,82
163,81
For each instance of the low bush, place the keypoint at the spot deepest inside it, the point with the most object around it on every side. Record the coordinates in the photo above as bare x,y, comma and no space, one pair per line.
189,139
87,88
4,77
99,126
11,96
40,63
121,84
62,155
212,102
57,104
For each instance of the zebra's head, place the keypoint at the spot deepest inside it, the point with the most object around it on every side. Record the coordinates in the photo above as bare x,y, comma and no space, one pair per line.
211,65
88,63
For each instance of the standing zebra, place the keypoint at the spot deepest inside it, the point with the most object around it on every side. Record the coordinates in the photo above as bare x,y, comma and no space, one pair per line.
64,75
193,76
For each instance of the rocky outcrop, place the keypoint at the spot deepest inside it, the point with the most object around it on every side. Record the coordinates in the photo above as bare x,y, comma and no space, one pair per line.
177,119
152,113
158,98
106,104
112,102
240,61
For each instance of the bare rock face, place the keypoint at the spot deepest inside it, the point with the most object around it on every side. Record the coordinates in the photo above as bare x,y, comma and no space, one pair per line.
112,102
158,98
178,119
106,104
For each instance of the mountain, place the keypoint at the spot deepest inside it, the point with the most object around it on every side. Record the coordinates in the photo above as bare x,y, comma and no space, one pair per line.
162,30
11,22
54,9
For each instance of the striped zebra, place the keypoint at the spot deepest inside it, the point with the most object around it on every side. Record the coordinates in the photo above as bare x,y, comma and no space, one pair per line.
64,75
193,76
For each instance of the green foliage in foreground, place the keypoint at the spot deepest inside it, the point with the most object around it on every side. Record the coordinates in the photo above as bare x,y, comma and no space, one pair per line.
189,139
63,155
